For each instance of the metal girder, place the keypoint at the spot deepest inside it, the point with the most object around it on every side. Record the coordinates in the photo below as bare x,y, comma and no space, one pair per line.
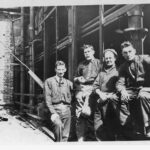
61,44
47,16
107,20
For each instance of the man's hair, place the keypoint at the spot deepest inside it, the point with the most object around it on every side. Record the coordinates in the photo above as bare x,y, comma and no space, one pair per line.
85,46
60,63
126,44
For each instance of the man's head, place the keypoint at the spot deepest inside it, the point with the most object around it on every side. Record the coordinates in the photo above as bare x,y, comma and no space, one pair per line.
128,51
88,52
110,56
60,68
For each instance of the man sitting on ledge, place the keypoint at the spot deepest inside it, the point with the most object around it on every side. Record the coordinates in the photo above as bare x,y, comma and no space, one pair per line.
134,88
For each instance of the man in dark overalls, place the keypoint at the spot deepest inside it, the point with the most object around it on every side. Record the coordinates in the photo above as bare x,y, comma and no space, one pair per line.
134,88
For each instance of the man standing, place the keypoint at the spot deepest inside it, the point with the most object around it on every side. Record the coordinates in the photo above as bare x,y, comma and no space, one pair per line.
58,99
87,72
134,88
104,87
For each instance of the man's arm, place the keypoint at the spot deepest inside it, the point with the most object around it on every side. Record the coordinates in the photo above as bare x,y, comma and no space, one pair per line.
120,85
47,94
96,88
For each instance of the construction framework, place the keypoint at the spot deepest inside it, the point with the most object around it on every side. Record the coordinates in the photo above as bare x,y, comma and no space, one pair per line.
52,33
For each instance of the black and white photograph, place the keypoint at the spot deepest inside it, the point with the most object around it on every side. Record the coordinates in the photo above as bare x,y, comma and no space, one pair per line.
74,73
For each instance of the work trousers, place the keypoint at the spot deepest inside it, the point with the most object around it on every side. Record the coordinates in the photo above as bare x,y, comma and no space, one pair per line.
62,128
136,111
106,121
84,124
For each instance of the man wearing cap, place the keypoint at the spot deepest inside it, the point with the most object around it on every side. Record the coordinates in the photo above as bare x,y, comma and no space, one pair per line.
104,87
134,88
87,72
58,99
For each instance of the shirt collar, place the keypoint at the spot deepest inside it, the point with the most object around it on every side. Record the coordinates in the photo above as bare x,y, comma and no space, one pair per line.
91,61
57,79
109,69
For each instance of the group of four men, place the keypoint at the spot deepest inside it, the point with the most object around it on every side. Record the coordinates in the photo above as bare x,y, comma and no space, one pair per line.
116,100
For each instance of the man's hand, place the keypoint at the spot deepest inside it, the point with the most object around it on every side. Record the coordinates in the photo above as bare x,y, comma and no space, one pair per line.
56,119
125,96
102,95
112,96
80,79
86,110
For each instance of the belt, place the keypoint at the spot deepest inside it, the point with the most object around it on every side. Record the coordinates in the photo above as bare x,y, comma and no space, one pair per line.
61,102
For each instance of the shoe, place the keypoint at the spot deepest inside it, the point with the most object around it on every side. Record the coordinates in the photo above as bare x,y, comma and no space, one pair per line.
81,139
3,119
148,135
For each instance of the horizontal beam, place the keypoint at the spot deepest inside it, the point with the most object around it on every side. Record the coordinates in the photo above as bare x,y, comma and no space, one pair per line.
61,44
107,20
20,94
25,105
116,14
111,10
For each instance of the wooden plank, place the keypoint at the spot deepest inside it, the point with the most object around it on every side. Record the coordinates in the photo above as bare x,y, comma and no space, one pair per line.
34,116
48,132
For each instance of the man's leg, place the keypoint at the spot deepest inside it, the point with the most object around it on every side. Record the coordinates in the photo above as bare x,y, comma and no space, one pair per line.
144,100
126,111
101,121
66,124
80,128
58,127
98,124
80,120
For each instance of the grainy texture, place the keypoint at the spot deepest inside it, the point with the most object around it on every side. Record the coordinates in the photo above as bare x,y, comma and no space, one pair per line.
6,66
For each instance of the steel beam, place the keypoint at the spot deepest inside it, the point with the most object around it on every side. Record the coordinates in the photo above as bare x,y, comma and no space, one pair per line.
31,51
22,75
72,62
101,44
87,30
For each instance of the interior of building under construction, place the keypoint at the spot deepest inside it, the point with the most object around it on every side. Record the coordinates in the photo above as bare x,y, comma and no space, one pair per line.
33,38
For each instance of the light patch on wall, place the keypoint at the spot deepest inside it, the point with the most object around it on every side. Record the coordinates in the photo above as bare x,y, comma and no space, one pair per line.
6,70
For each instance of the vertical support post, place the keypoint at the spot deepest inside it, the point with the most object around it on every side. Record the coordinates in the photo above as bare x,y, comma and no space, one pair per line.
101,44
135,20
14,71
22,76
57,31
72,50
31,81
45,47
